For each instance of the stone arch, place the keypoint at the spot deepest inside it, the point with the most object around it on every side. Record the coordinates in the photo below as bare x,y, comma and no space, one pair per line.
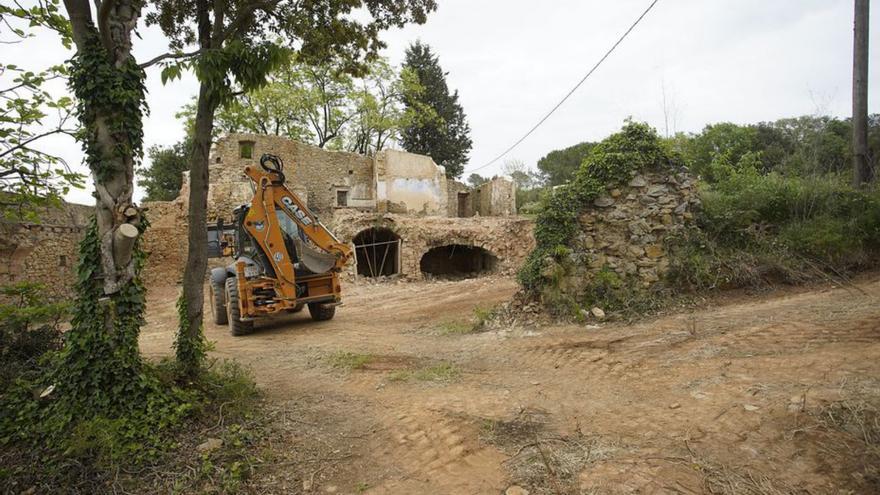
458,261
377,252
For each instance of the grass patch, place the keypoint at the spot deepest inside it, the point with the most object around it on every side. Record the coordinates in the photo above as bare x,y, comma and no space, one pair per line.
440,372
454,328
480,317
349,361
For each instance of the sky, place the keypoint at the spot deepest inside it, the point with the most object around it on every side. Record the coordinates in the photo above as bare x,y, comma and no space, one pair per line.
688,64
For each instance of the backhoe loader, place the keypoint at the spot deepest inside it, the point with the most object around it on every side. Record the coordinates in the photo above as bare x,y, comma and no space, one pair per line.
284,257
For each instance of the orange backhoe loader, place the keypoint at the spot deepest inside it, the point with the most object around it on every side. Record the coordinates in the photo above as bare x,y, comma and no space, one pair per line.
285,258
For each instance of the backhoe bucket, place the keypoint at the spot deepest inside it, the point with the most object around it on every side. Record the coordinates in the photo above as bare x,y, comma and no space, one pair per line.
312,259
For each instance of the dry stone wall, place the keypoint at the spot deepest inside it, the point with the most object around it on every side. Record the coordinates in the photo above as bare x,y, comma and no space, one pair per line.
45,252
509,239
624,230
316,174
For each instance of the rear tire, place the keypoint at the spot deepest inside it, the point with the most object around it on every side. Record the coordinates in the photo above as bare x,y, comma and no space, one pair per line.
233,310
322,311
218,303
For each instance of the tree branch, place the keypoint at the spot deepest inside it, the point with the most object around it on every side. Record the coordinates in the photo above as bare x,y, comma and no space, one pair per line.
166,56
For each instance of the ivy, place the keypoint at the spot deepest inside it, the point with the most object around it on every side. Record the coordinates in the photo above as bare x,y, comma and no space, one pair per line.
190,349
609,164
102,88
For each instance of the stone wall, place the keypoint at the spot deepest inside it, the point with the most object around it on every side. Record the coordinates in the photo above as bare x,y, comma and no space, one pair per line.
459,201
316,175
165,243
509,239
497,197
44,252
625,229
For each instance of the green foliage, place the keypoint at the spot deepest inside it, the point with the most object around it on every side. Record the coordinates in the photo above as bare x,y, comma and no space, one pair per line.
440,372
759,229
164,177
446,136
799,146
30,326
560,166
612,162
118,94
348,361
31,177
190,347
322,105
475,180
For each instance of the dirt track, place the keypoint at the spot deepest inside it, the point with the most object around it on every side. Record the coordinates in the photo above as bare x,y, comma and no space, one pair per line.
771,395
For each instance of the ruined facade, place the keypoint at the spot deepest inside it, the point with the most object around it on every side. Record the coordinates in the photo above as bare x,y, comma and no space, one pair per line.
44,252
401,213
625,230
391,182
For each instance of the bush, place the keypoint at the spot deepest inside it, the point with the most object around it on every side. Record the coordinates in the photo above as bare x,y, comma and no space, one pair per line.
757,229
30,326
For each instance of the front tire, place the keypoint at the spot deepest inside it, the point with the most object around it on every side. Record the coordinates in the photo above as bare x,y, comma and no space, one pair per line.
233,310
218,303
322,311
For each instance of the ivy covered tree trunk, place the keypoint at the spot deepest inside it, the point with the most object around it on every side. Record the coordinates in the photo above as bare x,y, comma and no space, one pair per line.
100,364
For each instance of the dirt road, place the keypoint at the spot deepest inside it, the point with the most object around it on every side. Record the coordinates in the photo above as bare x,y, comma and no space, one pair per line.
765,395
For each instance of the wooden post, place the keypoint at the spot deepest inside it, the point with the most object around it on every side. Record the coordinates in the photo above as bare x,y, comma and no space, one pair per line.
862,172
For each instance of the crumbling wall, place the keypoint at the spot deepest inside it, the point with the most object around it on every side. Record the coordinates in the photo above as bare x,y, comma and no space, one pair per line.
509,239
625,229
459,200
410,183
44,252
165,243
316,175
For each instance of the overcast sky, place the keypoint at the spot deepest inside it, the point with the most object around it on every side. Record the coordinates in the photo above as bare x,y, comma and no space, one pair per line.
740,61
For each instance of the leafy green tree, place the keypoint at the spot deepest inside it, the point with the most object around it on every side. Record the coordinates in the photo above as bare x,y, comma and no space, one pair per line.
164,177
446,136
476,179
30,177
236,49
559,166
324,106
380,115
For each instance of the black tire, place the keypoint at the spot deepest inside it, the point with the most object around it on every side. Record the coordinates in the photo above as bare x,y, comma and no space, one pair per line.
322,311
233,310
296,309
218,303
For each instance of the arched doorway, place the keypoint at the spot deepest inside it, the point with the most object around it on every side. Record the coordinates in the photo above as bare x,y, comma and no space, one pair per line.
457,261
377,251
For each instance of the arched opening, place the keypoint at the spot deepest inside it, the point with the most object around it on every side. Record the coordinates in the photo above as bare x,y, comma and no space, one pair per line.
377,251
457,261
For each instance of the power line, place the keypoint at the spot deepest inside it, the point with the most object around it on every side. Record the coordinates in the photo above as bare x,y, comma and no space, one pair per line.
578,85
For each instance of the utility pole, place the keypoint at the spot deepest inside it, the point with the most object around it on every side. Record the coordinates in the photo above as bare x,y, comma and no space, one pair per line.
862,172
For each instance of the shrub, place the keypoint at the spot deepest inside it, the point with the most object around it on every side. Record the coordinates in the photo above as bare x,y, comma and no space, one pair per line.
759,229
30,326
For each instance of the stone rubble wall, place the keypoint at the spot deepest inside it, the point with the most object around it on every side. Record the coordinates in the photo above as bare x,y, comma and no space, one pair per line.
625,229
510,239
45,252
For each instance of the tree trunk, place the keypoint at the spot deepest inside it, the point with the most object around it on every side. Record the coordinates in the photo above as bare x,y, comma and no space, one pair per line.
862,172
114,179
197,253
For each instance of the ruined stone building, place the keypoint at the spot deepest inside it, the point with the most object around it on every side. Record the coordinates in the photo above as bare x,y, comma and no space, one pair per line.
44,252
400,211
391,182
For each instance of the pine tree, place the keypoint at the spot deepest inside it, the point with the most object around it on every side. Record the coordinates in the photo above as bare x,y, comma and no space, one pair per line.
444,135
